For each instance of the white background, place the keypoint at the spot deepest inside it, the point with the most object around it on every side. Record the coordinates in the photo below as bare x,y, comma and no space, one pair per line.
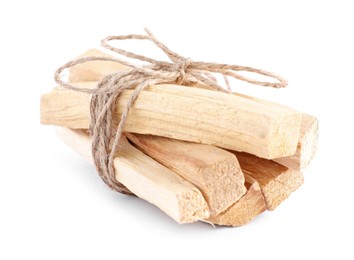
54,206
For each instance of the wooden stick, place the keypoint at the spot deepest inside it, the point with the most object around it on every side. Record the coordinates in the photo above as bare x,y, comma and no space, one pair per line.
189,114
307,146
147,179
214,171
246,209
276,181
307,143
88,71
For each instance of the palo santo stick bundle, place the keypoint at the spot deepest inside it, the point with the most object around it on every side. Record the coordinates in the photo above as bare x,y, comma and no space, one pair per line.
175,158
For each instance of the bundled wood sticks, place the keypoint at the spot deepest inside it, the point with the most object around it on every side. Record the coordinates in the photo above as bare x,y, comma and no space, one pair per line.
196,153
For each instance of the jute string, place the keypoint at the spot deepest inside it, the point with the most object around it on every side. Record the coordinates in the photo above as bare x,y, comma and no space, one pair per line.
180,70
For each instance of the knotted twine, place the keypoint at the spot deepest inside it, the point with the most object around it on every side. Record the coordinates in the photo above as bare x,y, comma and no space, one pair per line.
180,71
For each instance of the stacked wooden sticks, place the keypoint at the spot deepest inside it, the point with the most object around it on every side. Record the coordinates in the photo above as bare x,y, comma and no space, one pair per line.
195,153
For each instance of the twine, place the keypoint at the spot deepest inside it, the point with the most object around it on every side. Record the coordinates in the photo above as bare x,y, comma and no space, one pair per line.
180,70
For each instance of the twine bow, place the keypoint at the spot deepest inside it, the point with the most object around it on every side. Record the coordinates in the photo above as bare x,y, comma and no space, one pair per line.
181,71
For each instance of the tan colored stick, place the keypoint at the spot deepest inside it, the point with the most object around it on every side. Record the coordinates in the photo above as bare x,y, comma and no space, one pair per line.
308,141
246,209
147,179
189,114
307,146
276,181
214,171
88,71
309,128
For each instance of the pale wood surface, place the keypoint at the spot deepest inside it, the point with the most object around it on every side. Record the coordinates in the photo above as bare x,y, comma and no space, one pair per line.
65,108
89,72
189,114
147,179
277,182
307,145
214,171
246,209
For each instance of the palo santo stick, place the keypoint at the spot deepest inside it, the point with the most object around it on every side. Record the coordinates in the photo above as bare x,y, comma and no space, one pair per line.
277,182
89,72
214,171
246,209
308,140
96,70
307,146
190,114
147,179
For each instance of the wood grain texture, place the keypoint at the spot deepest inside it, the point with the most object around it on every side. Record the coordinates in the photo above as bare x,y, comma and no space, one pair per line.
277,182
189,114
147,179
307,145
65,108
246,209
214,171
